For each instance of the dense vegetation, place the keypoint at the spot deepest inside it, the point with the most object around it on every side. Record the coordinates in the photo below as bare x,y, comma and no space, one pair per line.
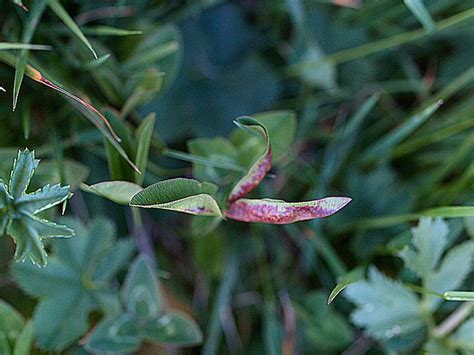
278,177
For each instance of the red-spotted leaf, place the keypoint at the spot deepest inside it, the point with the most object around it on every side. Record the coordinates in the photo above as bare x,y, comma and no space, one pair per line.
259,168
281,212
182,195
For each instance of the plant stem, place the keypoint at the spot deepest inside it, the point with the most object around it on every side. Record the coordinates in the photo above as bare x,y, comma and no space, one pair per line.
453,321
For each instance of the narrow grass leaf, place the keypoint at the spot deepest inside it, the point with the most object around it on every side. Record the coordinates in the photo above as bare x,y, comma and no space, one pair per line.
351,277
419,10
59,10
144,135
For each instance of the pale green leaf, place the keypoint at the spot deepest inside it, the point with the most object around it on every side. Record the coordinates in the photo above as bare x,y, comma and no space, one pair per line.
25,340
24,167
120,192
384,307
351,277
430,241
141,292
174,328
419,10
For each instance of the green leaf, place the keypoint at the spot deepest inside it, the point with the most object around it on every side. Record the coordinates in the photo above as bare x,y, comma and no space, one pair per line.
281,127
462,338
34,16
141,292
385,308
464,296
9,45
183,195
351,277
25,340
110,31
419,10
449,211
174,328
74,172
24,167
388,142
429,240
120,192
259,167
455,267
469,225
10,319
118,334
143,137
59,10
324,328
281,212
19,215
75,282
220,151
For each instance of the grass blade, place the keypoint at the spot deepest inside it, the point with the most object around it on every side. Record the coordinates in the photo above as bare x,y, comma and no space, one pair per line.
419,10
59,10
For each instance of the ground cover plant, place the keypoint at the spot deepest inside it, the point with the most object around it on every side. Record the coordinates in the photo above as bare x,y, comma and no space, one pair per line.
277,177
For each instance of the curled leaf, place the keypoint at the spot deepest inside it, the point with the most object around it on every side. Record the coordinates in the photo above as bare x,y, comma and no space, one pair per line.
259,168
182,195
281,212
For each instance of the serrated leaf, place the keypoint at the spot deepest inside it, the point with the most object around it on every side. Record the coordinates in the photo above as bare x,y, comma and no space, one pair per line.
183,195
72,284
117,334
281,212
463,336
59,10
174,328
385,308
429,239
259,168
42,199
23,169
143,137
141,293
450,275
120,192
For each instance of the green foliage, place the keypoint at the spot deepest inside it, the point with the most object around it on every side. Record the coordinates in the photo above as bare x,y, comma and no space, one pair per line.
16,334
19,211
77,281
367,99
144,317
388,309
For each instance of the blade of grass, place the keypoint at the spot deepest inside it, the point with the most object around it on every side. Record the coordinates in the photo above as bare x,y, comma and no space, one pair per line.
386,43
37,10
419,10
59,10
38,47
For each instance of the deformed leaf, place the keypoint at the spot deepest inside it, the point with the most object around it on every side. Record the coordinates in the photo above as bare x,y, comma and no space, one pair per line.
281,212
385,308
259,168
120,192
183,195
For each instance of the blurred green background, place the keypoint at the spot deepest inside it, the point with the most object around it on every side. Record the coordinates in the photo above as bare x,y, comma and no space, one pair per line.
384,102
